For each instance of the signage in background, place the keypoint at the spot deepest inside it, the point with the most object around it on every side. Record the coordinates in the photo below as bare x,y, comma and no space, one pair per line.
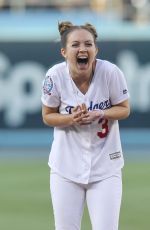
23,67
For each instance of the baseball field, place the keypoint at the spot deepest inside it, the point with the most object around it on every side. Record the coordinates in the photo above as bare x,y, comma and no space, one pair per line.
25,200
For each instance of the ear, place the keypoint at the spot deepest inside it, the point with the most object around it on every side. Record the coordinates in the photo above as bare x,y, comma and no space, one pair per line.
63,52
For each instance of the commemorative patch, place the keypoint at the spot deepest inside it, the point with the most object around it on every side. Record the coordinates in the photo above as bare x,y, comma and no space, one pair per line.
48,85
115,155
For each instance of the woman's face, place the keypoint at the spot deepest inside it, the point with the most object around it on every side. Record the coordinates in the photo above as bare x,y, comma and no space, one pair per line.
80,51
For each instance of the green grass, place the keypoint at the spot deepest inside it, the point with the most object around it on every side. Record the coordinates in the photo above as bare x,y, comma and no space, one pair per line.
25,202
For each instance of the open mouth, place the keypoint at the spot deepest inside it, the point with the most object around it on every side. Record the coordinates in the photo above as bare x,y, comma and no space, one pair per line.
82,60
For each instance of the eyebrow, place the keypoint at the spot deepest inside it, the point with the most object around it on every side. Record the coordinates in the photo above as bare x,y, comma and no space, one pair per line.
84,41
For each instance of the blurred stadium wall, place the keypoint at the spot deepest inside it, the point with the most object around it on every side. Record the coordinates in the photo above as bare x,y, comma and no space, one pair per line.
29,45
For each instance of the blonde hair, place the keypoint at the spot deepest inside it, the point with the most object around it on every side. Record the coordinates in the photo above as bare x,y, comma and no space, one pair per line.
67,27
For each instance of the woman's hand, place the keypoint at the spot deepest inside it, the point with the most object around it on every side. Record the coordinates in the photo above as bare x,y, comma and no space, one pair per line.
82,116
79,113
92,116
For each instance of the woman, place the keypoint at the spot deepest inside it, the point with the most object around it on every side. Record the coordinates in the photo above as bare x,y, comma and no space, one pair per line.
83,98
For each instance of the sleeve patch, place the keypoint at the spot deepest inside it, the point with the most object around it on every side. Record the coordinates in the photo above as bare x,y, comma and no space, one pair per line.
125,91
48,85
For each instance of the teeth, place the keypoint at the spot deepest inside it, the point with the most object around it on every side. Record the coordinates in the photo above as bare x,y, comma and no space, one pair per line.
83,57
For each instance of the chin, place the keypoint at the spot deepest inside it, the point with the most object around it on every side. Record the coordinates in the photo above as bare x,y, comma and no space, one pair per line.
83,67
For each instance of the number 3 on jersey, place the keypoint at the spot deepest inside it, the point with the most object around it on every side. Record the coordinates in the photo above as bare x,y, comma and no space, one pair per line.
105,130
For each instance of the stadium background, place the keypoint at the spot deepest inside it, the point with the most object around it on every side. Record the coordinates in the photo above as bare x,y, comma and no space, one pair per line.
29,45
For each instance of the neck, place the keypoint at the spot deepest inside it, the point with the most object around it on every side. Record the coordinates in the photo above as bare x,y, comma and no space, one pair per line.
83,82
82,77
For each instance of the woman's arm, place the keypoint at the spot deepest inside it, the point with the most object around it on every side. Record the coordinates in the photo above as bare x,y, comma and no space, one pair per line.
52,117
80,115
118,112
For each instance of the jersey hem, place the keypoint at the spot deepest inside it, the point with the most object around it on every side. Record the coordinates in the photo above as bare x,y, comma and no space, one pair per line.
114,173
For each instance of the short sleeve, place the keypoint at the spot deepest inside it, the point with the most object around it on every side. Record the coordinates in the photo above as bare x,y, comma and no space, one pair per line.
50,96
118,87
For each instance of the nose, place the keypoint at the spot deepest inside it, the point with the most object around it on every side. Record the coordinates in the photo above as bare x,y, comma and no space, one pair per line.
82,48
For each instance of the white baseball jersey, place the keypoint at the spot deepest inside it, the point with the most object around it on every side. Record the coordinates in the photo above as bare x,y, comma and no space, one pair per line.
91,152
